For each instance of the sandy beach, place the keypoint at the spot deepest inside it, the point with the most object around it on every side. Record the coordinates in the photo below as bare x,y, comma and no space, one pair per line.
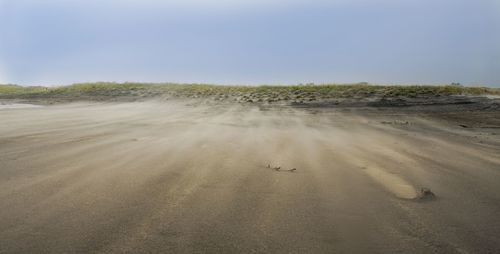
182,177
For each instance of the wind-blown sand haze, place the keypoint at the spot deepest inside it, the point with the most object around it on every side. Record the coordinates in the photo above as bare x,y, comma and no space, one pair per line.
180,177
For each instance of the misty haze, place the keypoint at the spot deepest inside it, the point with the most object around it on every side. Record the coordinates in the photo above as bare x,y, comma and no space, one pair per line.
281,126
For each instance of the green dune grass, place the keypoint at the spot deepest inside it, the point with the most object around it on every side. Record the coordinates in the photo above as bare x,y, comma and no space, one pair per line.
359,90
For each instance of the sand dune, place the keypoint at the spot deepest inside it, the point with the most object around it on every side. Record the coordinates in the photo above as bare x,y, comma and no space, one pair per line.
177,177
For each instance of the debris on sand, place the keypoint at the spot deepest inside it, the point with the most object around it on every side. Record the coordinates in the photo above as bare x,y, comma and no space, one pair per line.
278,168
426,194
463,126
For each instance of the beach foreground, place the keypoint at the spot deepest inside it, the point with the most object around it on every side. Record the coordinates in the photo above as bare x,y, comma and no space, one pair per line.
182,177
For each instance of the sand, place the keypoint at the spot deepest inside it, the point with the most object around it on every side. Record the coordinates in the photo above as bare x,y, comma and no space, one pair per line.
182,177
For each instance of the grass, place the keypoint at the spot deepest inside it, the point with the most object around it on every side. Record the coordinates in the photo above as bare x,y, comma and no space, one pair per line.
247,93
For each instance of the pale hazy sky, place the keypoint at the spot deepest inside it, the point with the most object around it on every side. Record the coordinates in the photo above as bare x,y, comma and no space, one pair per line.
46,42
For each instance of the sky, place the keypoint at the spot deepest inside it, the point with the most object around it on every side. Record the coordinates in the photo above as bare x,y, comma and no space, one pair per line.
56,42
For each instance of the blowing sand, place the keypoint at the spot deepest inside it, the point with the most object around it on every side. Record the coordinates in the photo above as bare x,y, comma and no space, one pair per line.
173,177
